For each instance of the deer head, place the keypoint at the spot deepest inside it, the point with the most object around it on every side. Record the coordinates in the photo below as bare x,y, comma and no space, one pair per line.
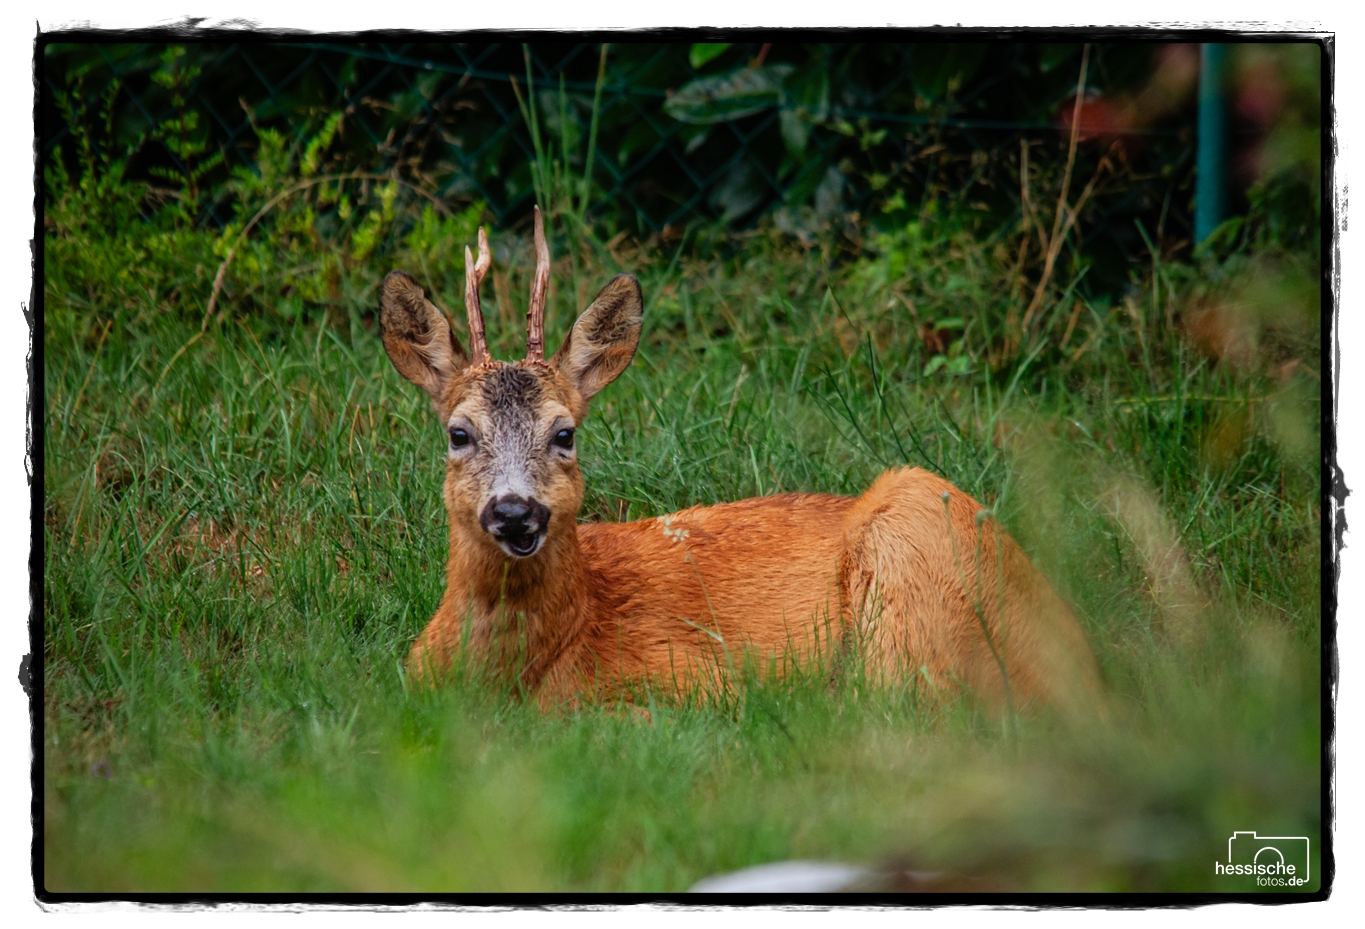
512,477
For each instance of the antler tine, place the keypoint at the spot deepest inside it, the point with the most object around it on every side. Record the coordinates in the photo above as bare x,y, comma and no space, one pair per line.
535,315
485,257
473,279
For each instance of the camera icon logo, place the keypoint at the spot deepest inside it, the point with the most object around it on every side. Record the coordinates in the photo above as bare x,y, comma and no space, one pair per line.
1275,861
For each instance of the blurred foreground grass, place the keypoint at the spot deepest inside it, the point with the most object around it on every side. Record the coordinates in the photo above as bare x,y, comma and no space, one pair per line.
243,535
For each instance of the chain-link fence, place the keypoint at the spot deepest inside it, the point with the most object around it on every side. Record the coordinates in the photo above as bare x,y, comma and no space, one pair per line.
679,134
667,134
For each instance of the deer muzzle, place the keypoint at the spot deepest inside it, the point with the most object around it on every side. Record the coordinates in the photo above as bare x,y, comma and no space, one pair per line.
518,524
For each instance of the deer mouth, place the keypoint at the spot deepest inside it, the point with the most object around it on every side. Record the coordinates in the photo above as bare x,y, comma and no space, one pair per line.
516,523
522,545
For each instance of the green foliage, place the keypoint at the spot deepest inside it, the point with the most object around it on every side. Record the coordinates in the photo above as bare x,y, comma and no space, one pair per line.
560,193
243,535
128,246
181,132
732,95
703,52
445,129
442,239
312,153
243,531
367,235
306,233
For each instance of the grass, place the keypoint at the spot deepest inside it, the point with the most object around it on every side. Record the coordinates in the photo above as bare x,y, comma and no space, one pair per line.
243,536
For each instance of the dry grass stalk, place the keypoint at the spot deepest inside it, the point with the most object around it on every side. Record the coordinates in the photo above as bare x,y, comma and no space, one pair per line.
1170,580
1065,216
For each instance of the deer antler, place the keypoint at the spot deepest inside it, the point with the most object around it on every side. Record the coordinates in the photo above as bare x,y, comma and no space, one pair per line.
473,277
535,315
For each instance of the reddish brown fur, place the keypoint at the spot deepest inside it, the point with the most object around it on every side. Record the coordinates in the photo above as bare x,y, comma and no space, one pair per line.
669,601
906,573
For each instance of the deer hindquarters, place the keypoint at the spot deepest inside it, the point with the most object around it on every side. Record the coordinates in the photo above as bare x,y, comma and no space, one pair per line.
937,593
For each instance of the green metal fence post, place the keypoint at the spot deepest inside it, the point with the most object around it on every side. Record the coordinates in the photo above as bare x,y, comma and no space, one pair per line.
1210,181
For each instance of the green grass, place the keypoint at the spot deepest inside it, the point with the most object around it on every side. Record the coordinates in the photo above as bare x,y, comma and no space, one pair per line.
243,536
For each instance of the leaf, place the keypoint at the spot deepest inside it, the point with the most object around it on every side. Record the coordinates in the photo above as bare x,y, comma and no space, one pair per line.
872,138
895,202
697,140
803,102
829,196
312,154
940,69
290,307
1050,56
703,52
795,128
727,96
741,190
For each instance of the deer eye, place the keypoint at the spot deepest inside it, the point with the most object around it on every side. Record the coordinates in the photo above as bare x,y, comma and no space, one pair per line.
564,438
458,438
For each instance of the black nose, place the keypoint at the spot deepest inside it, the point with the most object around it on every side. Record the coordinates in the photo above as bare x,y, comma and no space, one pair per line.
511,510
511,515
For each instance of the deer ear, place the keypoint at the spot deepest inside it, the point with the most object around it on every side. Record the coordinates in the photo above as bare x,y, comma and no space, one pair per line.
603,341
417,336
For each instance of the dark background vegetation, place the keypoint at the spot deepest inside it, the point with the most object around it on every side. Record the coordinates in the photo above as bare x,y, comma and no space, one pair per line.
855,256
682,145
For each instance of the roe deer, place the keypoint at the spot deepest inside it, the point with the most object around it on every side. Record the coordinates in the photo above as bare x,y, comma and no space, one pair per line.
912,570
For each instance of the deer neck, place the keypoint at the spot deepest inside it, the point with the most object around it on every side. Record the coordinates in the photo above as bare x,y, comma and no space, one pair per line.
524,612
